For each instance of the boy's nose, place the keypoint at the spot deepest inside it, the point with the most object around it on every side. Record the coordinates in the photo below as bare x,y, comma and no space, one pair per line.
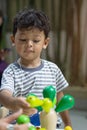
30,43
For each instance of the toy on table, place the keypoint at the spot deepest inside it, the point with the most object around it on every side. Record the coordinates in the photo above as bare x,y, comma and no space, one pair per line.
24,119
65,103
67,128
49,119
48,115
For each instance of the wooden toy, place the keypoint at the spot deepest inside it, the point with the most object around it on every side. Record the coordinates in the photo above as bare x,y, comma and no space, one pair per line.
48,108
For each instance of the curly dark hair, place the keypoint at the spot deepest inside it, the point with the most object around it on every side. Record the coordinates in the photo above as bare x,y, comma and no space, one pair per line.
31,18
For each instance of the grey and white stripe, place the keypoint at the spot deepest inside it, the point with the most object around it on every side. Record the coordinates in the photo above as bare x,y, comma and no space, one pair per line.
22,81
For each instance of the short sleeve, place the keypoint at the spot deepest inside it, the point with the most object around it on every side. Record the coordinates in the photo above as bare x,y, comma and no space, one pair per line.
7,81
61,82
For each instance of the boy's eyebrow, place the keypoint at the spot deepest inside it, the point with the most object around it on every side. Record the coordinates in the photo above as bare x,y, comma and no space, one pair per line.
36,35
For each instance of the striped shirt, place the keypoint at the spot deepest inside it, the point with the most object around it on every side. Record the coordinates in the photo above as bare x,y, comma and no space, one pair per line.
21,81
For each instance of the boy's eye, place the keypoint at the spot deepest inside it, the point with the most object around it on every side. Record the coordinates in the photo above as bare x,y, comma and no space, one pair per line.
23,40
36,41
26,41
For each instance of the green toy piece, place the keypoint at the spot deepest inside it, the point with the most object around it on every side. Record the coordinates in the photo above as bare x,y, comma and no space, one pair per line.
22,119
49,92
32,128
39,108
66,102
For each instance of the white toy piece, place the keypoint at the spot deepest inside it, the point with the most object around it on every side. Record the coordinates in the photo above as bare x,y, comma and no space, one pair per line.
48,120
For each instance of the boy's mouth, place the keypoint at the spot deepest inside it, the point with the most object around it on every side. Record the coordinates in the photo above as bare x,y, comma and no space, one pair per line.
28,51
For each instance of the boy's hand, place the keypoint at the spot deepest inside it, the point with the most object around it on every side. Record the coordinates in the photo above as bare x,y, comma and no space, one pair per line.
20,102
15,103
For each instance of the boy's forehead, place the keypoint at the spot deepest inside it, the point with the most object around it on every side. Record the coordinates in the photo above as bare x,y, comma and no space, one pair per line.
31,28
35,31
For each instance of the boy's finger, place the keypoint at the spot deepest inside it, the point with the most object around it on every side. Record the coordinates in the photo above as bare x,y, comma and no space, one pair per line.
13,116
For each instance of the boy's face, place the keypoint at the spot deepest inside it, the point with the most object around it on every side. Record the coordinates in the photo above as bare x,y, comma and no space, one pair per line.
29,43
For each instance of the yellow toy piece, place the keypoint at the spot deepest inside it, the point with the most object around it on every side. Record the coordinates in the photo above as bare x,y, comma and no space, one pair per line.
34,101
68,128
40,128
47,104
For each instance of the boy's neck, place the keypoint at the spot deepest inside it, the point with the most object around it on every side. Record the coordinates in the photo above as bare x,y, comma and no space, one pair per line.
29,64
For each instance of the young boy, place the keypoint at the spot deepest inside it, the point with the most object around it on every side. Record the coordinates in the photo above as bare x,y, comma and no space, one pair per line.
30,73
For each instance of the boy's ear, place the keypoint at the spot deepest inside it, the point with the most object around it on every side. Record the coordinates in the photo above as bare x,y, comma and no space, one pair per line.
46,43
12,39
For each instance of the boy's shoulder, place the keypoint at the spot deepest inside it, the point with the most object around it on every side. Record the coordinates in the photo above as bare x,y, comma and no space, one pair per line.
11,66
50,64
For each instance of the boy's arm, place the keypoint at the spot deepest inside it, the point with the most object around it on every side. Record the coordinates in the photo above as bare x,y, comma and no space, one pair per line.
6,98
66,118
65,114
15,103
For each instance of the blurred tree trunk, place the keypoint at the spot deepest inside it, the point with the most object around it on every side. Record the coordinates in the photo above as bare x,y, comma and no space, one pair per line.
69,35
11,12
75,52
57,53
